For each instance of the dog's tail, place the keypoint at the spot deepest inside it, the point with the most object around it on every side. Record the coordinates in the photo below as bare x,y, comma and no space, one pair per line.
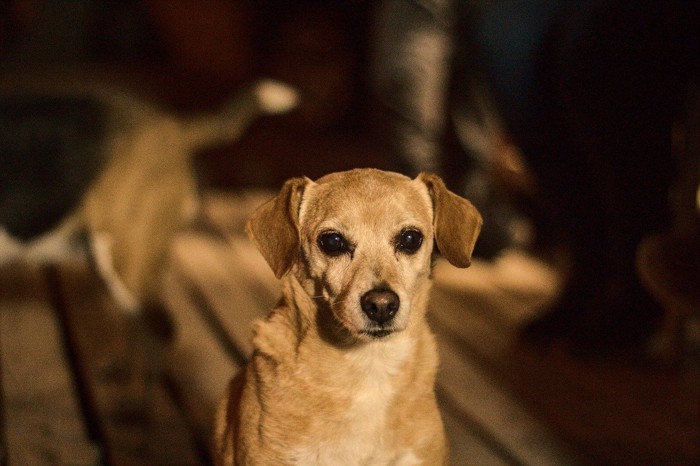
228,123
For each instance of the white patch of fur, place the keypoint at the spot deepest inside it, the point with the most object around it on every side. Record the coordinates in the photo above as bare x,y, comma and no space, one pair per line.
407,459
361,437
101,245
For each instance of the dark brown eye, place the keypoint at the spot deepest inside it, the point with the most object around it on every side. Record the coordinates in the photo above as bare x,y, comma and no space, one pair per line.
333,243
409,241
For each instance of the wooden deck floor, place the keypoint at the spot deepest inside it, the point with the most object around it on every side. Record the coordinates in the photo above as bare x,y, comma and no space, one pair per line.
75,370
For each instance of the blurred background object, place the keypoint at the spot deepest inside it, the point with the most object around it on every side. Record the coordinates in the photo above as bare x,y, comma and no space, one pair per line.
582,103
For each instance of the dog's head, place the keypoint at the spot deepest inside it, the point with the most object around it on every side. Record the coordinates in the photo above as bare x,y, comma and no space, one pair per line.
361,242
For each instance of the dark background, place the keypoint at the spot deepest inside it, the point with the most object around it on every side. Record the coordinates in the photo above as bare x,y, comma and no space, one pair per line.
190,55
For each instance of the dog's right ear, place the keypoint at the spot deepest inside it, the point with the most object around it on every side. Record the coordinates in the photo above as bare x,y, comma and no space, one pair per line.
274,227
457,222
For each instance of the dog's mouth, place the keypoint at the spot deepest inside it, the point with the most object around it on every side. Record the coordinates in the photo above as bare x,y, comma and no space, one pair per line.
377,333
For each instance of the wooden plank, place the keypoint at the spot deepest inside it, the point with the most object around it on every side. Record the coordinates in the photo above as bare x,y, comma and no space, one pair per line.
198,363
136,418
232,278
43,418
227,212
506,293
466,440
507,425
511,290
614,412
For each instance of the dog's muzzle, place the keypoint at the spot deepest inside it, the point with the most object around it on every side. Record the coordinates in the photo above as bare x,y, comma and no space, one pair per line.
380,305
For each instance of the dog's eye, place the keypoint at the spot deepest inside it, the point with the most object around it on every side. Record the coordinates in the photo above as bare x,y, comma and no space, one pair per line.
333,243
409,240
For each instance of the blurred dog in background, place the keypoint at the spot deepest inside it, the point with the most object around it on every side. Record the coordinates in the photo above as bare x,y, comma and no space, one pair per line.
101,164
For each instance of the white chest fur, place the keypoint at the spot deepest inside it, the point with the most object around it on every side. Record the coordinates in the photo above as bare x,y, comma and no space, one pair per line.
361,437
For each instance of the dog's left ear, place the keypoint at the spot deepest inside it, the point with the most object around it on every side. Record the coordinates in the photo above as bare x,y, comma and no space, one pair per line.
456,221
274,227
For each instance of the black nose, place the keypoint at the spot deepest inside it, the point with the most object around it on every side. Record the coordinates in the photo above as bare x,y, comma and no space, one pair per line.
380,305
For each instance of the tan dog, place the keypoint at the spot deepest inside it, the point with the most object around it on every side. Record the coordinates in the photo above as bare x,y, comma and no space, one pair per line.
145,191
343,369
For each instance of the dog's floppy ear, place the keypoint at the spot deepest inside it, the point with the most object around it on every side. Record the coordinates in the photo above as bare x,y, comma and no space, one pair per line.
274,227
457,222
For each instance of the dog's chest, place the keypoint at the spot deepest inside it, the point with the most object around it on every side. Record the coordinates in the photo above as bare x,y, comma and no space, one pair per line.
361,433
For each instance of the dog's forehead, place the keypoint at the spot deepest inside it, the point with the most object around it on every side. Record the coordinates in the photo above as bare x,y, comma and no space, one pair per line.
367,196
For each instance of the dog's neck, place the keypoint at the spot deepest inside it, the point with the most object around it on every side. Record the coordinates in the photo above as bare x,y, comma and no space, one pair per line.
361,384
